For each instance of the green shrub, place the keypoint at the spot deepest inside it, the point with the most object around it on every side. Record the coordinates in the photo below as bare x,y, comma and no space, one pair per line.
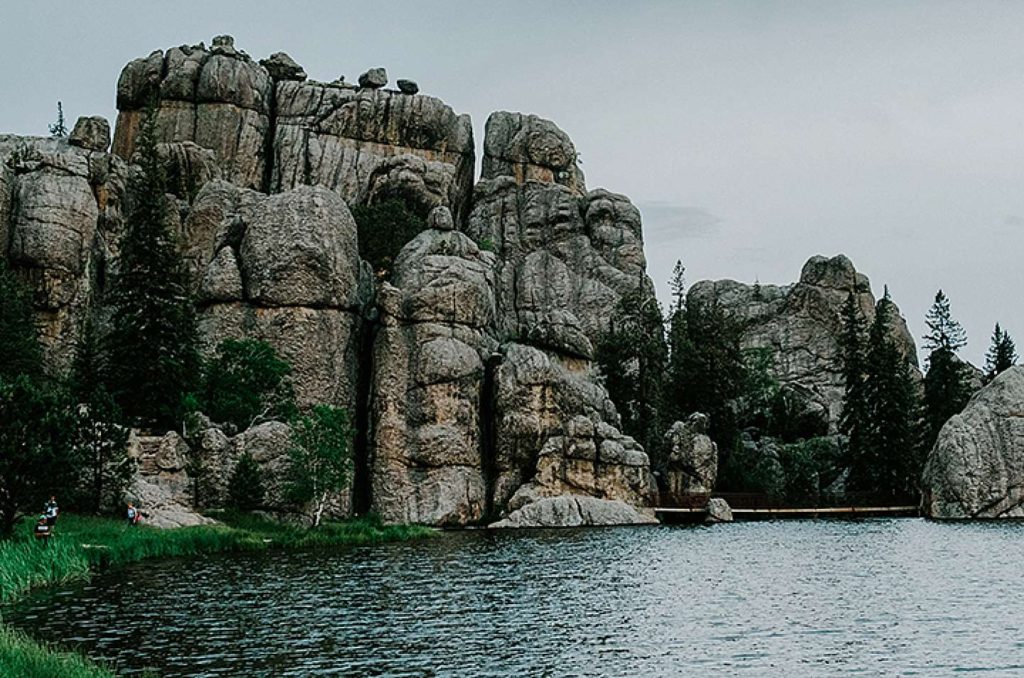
384,228
247,383
245,487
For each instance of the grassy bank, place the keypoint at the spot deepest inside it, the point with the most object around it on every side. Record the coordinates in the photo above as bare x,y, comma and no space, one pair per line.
82,545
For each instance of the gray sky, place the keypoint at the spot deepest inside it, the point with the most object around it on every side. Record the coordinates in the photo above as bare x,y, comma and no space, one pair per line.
752,135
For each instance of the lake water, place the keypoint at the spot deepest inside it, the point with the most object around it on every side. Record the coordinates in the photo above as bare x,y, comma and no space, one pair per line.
794,598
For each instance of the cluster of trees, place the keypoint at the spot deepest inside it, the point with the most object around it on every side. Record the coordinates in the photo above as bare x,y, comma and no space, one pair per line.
69,436
659,370
383,229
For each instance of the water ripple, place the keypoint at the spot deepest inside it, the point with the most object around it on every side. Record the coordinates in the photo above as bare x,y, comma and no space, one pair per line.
877,597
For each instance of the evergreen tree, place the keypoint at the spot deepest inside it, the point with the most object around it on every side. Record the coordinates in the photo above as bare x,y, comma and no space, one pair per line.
855,422
1002,354
17,331
946,383
245,487
100,432
59,129
153,361
35,449
632,358
711,369
677,346
889,460
383,229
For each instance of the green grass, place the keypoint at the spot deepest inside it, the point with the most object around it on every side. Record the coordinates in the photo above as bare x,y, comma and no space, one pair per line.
23,657
81,545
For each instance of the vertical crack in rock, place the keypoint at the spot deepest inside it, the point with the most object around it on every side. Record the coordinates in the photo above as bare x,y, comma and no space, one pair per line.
362,493
268,141
488,432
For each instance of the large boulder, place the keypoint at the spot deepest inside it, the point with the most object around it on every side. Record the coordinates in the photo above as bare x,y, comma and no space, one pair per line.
976,469
800,325
691,467
570,510
528,148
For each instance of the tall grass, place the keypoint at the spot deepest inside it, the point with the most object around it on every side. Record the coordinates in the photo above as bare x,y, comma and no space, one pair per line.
23,657
81,545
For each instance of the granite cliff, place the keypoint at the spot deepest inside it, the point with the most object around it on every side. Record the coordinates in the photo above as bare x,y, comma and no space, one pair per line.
469,371
800,325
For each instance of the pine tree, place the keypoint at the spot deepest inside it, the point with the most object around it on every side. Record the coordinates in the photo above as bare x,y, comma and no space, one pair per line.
245,487
889,462
711,369
59,129
153,361
1002,354
101,434
632,357
854,421
946,384
21,353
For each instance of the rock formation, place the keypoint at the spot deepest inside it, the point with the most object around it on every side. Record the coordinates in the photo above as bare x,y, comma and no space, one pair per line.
800,324
60,218
468,372
976,469
692,463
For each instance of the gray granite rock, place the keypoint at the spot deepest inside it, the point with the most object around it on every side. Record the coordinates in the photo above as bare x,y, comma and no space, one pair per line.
691,466
91,133
718,511
976,469
280,66
408,86
800,324
374,78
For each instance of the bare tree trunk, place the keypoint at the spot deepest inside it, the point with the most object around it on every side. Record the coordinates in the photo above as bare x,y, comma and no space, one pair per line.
321,505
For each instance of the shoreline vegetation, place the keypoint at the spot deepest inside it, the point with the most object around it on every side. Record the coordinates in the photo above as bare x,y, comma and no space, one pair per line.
83,545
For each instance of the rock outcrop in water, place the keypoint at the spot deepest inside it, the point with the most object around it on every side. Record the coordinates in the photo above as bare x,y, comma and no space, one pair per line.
800,325
976,469
469,373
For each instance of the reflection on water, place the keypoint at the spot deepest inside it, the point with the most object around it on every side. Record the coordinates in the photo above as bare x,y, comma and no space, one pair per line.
879,597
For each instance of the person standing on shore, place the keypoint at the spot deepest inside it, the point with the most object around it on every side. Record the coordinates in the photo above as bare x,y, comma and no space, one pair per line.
133,515
51,511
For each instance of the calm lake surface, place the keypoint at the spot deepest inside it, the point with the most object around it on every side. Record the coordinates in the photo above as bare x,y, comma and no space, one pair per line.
802,598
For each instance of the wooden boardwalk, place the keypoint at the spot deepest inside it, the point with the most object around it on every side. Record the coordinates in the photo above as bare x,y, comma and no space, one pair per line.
668,514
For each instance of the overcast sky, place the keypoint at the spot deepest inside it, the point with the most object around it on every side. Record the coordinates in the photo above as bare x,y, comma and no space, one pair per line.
752,135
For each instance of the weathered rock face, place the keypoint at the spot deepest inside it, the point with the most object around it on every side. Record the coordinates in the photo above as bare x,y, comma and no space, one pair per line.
270,128
556,433
429,353
162,485
60,219
976,469
371,144
468,374
218,98
285,269
801,323
529,148
692,464
565,260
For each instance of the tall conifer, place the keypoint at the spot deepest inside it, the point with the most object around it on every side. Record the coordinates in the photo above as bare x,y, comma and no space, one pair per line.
946,384
153,361
1002,354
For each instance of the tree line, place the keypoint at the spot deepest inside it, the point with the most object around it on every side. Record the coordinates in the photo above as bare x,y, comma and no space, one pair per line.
659,368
